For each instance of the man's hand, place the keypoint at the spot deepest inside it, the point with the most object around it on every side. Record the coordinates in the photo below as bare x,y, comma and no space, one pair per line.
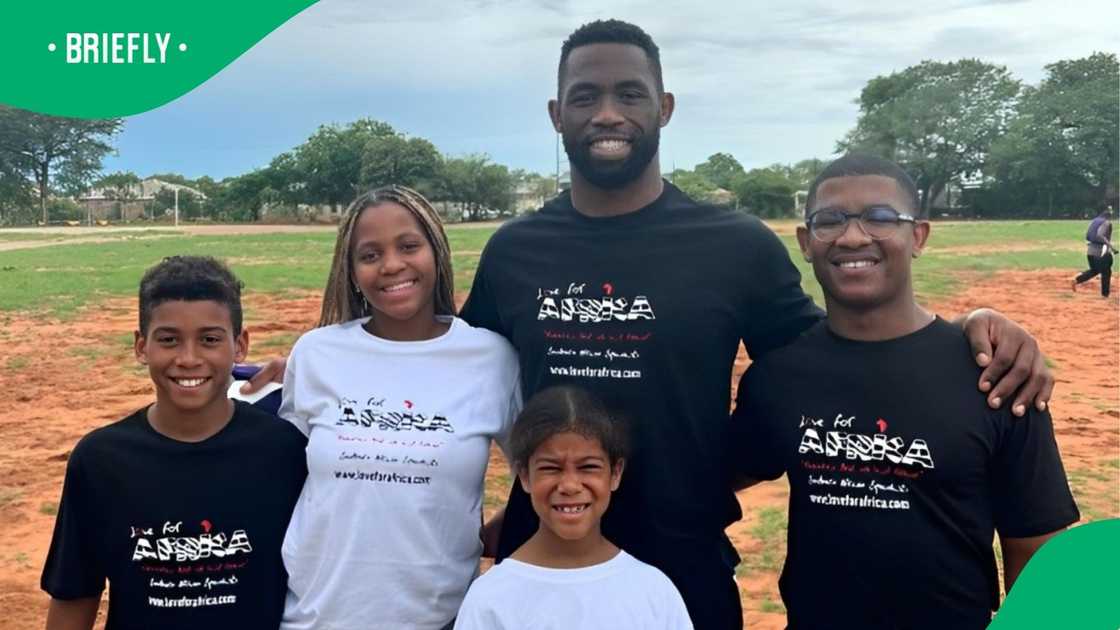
1012,361
272,372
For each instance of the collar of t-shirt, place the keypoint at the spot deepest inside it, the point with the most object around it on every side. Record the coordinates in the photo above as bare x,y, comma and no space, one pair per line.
569,576
361,336
670,197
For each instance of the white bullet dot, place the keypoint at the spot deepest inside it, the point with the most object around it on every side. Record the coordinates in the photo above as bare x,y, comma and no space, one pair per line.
51,47
182,48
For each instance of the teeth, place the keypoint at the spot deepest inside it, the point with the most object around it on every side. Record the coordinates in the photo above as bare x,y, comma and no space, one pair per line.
856,264
399,287
571,509
190,382
610,145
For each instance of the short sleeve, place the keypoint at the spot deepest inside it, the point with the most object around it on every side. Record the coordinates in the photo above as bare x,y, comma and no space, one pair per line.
481,308
1104,231
73,569
288,408
754,451
779,311
1029,487
675,613
476,613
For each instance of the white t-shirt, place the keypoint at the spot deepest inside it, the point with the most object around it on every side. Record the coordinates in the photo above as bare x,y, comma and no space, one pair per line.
385,533
622,593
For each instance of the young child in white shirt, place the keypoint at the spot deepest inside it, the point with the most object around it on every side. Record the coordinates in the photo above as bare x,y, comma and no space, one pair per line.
569,453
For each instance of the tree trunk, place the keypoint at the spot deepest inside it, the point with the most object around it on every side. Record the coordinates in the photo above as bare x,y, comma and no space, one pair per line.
41,173
933,193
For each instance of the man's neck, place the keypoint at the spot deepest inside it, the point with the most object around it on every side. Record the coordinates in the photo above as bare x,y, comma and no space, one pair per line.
883,322
590,200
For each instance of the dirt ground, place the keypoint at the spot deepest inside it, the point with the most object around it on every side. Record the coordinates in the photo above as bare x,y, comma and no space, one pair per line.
59,380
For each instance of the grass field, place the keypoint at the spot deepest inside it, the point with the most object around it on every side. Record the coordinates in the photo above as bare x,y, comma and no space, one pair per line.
67,305
58,282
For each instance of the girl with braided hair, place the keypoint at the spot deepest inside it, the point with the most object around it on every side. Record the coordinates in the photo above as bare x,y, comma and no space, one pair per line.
400,400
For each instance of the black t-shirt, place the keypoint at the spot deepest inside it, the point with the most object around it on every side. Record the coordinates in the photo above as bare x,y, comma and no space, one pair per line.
647,310
188,534
899,472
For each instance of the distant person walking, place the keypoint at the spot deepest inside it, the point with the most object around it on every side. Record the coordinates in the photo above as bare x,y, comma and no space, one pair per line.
1099,251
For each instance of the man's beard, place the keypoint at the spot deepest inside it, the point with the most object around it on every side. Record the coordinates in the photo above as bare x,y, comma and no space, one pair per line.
612,174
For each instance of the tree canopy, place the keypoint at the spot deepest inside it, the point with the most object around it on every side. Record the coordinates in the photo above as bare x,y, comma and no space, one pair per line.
1010,149
937,120
54,149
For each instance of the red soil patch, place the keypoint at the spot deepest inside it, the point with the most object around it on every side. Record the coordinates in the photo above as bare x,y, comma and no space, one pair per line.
59,380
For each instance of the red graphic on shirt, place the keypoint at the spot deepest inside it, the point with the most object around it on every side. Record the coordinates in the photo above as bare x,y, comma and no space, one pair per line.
608,288
882,424
408,403
206,525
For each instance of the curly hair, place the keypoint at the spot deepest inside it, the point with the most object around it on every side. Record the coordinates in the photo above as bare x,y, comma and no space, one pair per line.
190,278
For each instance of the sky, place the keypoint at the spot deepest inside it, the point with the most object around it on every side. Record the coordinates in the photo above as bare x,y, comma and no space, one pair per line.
764,81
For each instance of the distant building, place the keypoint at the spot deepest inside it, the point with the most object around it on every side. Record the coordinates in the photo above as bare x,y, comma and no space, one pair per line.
527,197
128,204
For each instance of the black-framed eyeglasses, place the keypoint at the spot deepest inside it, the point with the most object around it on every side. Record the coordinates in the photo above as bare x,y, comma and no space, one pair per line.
878,222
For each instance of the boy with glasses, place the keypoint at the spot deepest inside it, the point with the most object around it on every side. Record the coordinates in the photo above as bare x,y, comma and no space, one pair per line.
899,474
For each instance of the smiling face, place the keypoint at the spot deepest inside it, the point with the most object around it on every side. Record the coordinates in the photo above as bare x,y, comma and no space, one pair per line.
856,271
569,480
610,113
394,266
190,350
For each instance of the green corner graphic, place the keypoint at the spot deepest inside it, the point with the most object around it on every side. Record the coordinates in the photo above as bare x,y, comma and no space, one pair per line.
107,59
1071,582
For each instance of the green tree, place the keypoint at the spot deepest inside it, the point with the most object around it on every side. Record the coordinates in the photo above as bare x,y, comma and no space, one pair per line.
693,184
396,159
190,205
173,178
329,163
118,187
16,195
938,120
241,198
766,193
1061,150
45,148
284,182
721,169
476,183
802,173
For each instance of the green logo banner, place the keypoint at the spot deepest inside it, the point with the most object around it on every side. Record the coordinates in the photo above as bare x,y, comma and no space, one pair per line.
106,59
1071,582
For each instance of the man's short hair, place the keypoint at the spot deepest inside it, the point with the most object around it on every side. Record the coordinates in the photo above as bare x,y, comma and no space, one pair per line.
856,164
190,278
611,32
